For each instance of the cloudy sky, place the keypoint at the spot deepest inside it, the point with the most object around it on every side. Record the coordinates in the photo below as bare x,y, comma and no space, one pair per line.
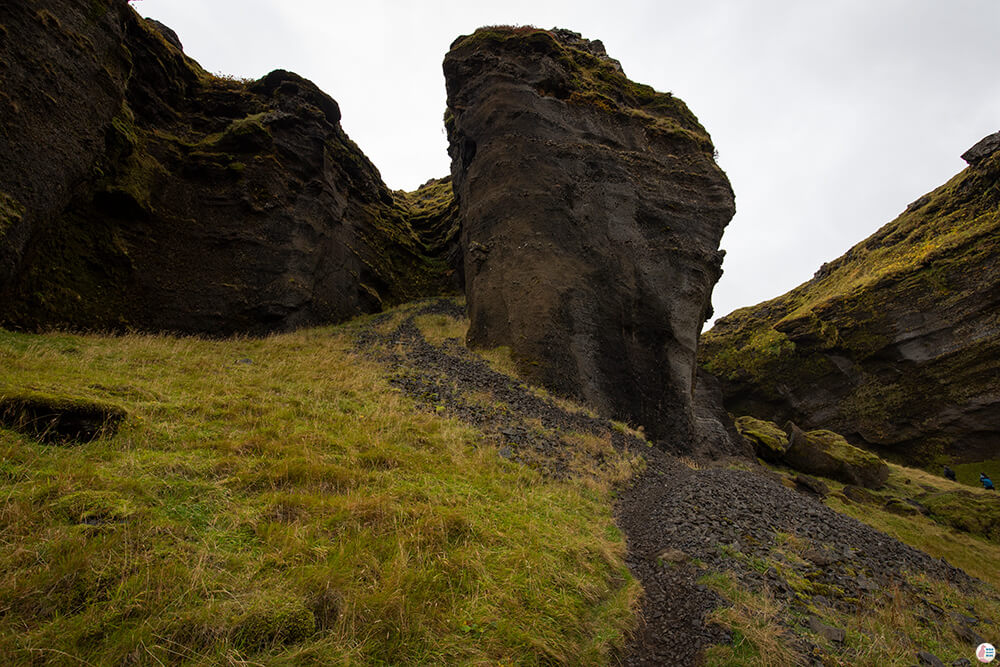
829,117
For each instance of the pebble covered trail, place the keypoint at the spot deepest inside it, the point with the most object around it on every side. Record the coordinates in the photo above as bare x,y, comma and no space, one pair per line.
680,522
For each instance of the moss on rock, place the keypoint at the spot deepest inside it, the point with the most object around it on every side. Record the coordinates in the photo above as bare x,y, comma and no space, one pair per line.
978,514
273,622
769,441
828,454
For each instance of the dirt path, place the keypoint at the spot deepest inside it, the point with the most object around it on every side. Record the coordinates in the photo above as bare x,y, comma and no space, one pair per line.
680,523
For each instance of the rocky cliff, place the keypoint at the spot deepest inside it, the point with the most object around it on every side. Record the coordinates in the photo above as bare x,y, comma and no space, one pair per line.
896,344
591,211
138,191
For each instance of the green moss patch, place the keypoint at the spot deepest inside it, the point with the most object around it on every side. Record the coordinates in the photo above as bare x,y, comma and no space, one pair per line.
978,514
770,442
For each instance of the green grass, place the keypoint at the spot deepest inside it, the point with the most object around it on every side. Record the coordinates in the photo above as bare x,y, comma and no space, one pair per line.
291,510
968,473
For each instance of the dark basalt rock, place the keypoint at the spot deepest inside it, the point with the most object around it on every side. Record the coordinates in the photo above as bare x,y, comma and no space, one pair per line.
829,455
591,212
139,192
984,148
894,345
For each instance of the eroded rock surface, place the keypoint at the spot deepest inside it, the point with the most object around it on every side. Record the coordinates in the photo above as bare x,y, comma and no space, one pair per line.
896,344
591,211
138,191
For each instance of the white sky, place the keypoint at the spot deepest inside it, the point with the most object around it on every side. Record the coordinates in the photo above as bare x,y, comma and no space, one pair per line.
829,117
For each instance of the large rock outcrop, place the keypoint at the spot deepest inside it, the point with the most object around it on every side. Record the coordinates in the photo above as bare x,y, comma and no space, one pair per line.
591,211
896,344
138,191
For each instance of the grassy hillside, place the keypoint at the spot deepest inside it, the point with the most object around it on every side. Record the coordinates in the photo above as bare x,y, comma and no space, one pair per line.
278,501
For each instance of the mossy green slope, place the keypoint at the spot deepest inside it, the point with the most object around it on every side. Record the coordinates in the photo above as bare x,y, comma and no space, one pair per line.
275,501
895,344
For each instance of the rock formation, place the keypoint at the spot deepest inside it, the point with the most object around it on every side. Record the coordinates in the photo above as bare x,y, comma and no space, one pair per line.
138,191
896,344
591,212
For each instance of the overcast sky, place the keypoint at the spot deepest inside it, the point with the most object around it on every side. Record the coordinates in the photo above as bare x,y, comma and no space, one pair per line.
829,117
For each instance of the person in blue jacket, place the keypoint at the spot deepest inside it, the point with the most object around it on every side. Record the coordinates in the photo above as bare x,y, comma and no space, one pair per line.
986,482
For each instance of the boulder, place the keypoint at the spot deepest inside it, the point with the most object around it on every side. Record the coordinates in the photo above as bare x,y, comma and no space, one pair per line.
828,454
769,441
895,344
591,212
984,148
860,495
810,485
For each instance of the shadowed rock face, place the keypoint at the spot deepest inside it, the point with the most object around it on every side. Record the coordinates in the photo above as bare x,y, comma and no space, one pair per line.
138,191
896,344
591,211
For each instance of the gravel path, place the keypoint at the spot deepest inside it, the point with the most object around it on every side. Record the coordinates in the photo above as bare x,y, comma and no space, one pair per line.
679,522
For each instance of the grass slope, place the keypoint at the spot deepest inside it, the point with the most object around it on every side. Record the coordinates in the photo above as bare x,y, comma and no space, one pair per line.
276,501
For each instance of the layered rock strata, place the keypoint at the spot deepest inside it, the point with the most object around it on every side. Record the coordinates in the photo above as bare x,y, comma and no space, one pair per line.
139,192
591,213
896,344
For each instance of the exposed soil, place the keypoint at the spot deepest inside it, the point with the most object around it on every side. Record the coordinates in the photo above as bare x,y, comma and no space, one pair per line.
680,522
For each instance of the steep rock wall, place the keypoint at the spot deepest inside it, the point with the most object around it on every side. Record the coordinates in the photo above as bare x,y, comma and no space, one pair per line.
896,344
591,211
139,192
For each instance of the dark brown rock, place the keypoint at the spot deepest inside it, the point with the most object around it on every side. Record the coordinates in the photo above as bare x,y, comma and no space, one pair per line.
823,630
929,659
895,344
176,200
811,485
591,212
860,495
984,148
827,454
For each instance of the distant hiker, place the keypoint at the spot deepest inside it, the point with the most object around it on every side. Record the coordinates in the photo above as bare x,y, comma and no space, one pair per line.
949,473
986,482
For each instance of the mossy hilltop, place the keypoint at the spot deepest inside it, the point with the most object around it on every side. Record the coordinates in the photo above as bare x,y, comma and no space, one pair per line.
895,344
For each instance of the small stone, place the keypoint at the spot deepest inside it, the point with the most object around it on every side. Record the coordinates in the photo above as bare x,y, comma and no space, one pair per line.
820,557
672,556
968,635
962,662
811,485
866,584
929,659
823,630
506,453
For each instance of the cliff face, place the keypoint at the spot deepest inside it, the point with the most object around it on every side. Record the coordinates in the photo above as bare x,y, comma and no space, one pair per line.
897,343
137,191
591,212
